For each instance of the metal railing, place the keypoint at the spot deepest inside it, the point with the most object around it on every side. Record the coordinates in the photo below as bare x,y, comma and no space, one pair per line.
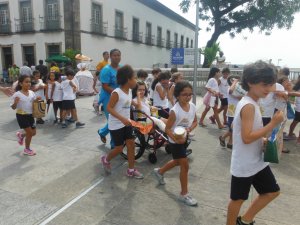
121,33
5,28
169,44
50,23
24,26
137,37
149,39
160,42
99,28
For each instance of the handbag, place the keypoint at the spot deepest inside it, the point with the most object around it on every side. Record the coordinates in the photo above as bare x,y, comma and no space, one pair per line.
39,109
290,111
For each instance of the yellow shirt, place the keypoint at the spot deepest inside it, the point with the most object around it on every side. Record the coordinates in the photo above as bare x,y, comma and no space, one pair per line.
101,65
55,68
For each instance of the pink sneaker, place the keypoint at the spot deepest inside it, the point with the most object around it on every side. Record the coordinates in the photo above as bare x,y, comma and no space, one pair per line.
29,152
106,165
135,173
20,138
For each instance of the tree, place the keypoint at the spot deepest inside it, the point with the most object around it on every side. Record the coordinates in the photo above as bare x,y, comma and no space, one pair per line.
210,53
234,16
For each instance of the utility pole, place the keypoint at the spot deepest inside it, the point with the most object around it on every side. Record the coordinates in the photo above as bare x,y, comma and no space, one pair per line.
196,53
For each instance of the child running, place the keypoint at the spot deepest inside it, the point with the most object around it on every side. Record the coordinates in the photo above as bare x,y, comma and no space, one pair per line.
182,114
23,100
69,89
247,164
118,121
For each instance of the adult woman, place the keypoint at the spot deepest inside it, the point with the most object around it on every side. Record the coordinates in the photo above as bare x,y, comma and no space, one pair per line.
109,83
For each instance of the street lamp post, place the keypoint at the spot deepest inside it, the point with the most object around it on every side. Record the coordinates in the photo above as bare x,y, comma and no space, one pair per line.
196,52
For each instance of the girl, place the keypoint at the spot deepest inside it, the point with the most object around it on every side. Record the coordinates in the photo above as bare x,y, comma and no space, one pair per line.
149,81
176,77
118,121
54,94
22,101
39,89
182,114
247,164
50,88
160,93
212,88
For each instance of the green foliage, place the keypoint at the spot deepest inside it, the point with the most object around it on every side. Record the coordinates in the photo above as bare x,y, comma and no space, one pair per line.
71,53
210,53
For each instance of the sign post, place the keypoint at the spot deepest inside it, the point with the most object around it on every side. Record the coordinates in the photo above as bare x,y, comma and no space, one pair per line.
196,52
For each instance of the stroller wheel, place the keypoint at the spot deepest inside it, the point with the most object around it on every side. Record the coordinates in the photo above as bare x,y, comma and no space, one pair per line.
167,149
152,158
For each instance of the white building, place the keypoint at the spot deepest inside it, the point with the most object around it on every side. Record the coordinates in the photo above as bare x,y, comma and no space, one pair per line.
144,30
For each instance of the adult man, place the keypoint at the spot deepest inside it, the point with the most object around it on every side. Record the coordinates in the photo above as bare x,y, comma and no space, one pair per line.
43,70
25,70
104,62
109,83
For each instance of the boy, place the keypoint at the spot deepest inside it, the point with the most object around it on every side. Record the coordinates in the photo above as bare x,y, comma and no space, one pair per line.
68,104
247,164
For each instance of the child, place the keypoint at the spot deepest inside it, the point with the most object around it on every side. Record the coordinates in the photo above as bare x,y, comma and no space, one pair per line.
224,93
160,93
232,103
50,88
23,103
296,92
149,81
142,75
247,164
182,114
176,77
118,121
212,88
68,104
39,89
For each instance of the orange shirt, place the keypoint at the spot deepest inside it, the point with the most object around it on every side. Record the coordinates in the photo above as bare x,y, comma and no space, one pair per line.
101,65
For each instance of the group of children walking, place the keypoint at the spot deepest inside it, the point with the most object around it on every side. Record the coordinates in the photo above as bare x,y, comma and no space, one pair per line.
59,91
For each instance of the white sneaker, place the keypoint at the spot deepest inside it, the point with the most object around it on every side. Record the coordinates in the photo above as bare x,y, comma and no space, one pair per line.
158,176
188,200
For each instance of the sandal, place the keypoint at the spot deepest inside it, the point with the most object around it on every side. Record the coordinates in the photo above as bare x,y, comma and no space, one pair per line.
202,125
229,146
285,150
102,138
222,141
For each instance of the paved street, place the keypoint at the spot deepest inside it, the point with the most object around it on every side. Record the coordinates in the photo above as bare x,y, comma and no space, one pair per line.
64,183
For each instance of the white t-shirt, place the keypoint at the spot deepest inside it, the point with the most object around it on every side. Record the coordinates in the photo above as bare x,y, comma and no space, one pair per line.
280,103
183,118
212,83
156,98
26,102
297,104
68,92
40,92
58,92
246,159
224,87
145,108
232,103
122,107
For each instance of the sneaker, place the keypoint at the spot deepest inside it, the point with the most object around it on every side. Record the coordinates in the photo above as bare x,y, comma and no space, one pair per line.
20,137
29,152
63,125
222,141
212,120
106,165
288,137
158,176
79,124
189,151
70,120
188,200
229,146
239,222
135,173
40,121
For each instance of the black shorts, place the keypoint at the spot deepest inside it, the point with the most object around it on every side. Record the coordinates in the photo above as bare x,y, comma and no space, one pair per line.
263,182
229,123
178,150
266,120
25,121
224,102
297,116
164,113
68,104
57,105
119,136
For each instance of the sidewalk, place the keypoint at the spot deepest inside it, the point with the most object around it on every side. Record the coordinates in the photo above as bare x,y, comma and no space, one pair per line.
64,183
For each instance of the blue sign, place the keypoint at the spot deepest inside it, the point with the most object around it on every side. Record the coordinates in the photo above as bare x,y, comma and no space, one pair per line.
177,56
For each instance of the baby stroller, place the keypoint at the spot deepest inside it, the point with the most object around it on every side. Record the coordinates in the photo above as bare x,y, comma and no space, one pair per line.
148,136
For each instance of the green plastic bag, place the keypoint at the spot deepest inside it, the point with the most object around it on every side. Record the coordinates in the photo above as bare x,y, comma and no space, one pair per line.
271,153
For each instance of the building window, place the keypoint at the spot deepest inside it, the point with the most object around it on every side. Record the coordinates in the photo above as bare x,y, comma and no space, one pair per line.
52,10
149,36
51,21
181,41
168,39
187,42
159,37
28,55
4,19
7,54
192,43
97,25
120,32
53,49
25,23
136,35
175,40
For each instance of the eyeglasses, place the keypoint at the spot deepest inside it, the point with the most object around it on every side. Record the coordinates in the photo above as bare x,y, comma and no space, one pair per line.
187,95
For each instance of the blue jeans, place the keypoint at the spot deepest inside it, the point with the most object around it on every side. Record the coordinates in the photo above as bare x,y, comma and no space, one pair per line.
104,130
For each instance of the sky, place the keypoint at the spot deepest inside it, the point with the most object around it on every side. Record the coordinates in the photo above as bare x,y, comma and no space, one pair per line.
282,46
